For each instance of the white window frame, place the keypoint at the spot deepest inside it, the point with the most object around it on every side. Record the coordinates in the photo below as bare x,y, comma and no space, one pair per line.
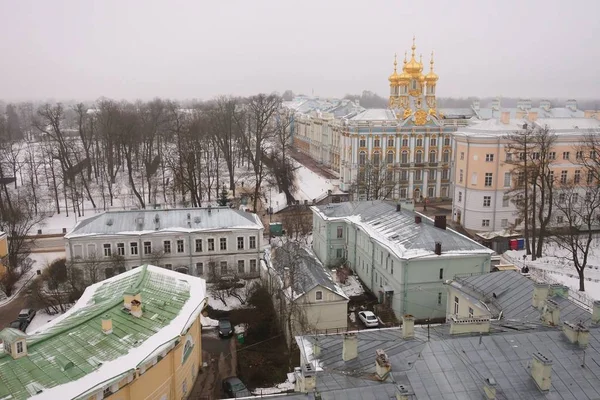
319,295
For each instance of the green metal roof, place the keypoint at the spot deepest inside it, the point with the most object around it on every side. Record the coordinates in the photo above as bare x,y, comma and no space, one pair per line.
75,346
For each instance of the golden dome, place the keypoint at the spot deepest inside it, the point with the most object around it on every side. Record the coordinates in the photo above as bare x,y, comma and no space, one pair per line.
394,76
431,76
404,78
413,67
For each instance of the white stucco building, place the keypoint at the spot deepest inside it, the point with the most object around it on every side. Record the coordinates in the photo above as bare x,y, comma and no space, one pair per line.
401,256
206,242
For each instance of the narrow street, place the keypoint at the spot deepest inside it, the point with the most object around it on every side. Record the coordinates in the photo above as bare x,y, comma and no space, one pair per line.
10,311
220,358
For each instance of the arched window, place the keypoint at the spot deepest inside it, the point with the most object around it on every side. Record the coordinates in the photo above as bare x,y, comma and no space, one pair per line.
419,142
377,142
404,158
432,157
446,156
390,157
362,158
447,141
419,157
376,158
405,141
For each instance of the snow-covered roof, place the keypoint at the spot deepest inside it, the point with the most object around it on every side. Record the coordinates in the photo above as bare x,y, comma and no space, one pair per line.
375,114
71,355
398,231
138,222
563,126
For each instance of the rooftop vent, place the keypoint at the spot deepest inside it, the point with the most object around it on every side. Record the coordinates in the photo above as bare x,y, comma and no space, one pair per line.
417,219
109,222
398,207
438,248
156,218
189,216
440,221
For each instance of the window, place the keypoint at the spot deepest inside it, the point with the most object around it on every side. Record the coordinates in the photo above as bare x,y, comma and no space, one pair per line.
240,243
505,201
535,155
404,175
167,246
445,174
590,178
362,142
562,197
404,157
420,142
575,198
432,156
402,193
377,142
252,243
431,191
460,176
419,157
474,178
459,197
418,175
107,250
507,179
340,232
405,142
241,267
362,158
504,223
446,156
566,155
432,174
211,244
390,157
593,154
180,246
439,298
563,176
390,142
147,247
376,158
488,179
441,273
319,295
462,155
252,265
339,253
470,312
200,268
223,267
552,155
489,157
560,219
223,243
508,157
485,222
487,201
392,267
447,141
198,245
433,141
577,176
579,155
133,248
121,249
19,347
521,178
456,305
521,156
588,196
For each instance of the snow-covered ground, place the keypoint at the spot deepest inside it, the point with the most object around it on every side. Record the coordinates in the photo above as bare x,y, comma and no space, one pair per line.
352,287
40,319
42,260
286,386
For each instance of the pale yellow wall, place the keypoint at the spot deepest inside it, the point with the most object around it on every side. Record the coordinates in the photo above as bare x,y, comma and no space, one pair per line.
464,303
167,376
329,313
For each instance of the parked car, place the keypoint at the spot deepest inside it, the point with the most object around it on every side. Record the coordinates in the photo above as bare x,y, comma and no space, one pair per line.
225,328
27,314
235,388
368,318
20,325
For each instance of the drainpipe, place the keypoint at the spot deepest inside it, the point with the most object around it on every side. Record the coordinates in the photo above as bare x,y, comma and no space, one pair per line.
372,266
140,250
190,253
495,190
405,284
467,178
355,242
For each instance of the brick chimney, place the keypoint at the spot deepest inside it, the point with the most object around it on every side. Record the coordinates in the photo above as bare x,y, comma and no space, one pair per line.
541,371
408,326
350,346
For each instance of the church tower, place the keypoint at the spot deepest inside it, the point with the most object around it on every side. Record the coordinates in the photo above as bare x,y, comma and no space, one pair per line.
412,94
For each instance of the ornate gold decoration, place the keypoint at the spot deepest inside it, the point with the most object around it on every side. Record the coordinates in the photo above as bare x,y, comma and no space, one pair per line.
432,111
394,76
413,67
407,113
420,117
431,77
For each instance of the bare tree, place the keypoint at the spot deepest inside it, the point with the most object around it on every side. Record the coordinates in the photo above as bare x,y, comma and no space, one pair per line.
375,180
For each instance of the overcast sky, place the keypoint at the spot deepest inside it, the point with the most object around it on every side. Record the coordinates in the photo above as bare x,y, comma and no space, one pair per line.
85,49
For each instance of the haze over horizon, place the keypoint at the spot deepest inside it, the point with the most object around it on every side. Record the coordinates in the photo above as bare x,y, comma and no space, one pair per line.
68,49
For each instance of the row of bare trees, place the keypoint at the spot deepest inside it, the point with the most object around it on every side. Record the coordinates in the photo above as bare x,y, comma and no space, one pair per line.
561,210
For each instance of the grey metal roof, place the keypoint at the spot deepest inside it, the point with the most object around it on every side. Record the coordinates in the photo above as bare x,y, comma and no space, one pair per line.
305,267
456,367
181,219
513,296
399,231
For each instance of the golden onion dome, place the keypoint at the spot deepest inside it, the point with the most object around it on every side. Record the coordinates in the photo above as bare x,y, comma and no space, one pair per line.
413,67
394,76
431,76
404,77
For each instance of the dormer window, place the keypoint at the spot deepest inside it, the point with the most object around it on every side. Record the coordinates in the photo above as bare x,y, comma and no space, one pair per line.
20,347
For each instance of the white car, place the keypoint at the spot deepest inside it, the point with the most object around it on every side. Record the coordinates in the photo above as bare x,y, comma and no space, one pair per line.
368,318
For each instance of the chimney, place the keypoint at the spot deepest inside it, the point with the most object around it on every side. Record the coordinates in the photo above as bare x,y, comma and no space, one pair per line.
129,296
316,348
577,334
469,325
571,104
496,104
350,347
589,114
440,221
287,281
309,378
136,308
541,371
401,392
398,207
383,366
438,248
408,326
505,117
596,312
556,289
476,105
551,313
417,219
532,116
540,294
107,326
545,105
489,388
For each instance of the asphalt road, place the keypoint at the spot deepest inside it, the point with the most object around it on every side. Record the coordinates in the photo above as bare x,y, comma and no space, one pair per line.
221,362
10,311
